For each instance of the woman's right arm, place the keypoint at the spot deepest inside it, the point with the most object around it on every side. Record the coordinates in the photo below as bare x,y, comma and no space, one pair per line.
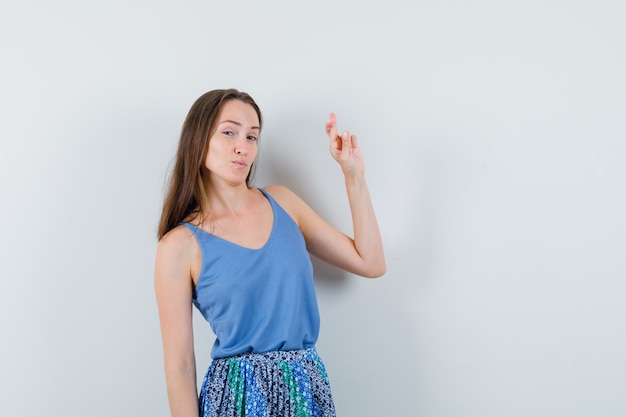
176,262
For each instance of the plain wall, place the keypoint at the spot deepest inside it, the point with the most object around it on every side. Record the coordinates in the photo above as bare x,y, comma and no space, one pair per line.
494,135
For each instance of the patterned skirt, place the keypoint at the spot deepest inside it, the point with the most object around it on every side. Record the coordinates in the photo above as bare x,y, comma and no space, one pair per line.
274,384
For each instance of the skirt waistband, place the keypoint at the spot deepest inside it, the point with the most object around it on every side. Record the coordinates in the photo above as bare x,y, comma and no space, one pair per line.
275,356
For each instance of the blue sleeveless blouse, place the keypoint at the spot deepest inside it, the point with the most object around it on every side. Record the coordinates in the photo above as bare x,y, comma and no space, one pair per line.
258,300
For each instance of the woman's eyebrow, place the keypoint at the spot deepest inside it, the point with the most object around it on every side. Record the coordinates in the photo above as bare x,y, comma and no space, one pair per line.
239,124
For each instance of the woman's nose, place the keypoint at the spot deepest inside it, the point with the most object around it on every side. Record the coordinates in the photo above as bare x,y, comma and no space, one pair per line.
241,147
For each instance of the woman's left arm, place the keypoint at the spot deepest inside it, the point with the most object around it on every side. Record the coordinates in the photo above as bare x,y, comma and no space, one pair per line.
363,254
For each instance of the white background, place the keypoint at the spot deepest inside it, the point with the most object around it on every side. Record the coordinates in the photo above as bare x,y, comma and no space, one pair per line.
494,134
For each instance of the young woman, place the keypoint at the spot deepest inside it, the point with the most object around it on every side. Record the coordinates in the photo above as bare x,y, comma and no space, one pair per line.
241,255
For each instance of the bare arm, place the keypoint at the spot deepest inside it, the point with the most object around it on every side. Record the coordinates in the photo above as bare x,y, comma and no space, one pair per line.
174,287
363,254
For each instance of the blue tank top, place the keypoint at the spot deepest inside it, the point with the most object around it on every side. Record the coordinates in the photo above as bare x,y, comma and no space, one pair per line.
258,300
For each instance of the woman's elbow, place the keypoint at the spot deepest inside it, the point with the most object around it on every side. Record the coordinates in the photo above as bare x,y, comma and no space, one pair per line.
375,271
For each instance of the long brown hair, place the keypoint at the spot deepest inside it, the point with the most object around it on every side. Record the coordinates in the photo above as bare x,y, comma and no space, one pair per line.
186,192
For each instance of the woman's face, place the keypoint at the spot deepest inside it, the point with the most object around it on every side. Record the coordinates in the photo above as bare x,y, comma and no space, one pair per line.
233,146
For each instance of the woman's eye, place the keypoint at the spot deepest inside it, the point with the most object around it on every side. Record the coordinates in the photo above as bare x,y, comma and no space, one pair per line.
229,132
253,138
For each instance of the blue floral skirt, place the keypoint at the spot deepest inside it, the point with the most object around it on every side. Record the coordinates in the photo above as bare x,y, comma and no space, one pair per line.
273,384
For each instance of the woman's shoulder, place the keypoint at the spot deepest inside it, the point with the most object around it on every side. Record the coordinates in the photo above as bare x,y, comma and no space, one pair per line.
179,239
288,200
278,191
283,196
178,254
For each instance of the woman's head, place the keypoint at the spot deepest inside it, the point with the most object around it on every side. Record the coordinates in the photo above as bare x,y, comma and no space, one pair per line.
201,122
187,189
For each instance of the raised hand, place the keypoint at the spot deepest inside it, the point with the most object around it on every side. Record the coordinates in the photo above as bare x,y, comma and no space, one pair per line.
344,149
